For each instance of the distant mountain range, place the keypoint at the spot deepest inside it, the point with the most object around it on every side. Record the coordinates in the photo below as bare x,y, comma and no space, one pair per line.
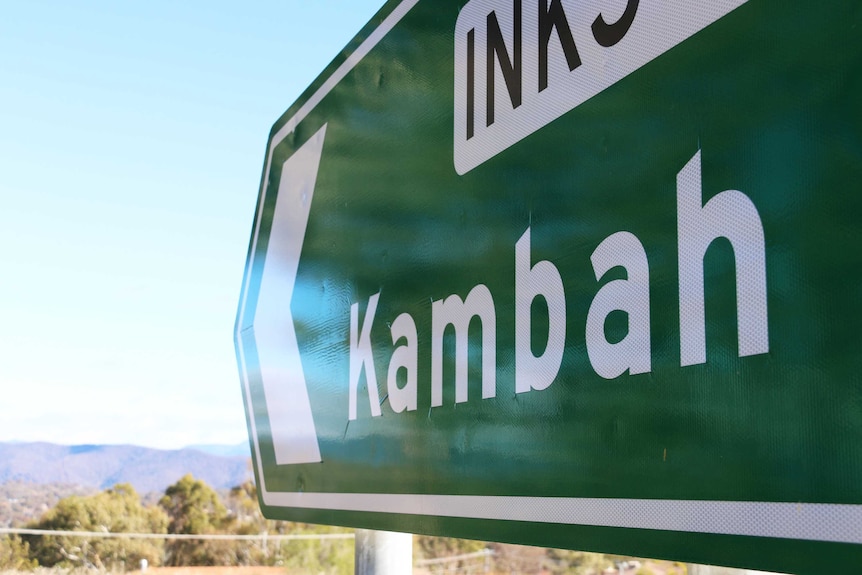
102,466
240,449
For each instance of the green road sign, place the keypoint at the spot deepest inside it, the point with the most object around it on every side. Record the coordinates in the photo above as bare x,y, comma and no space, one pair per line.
575,274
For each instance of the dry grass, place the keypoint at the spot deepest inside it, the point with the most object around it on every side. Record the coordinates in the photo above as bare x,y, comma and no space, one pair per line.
162,571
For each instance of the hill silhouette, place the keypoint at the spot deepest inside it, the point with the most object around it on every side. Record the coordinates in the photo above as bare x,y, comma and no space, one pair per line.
102,466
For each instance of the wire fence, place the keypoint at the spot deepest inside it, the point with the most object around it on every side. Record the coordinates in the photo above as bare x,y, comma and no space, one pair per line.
436,565
453,558
264,536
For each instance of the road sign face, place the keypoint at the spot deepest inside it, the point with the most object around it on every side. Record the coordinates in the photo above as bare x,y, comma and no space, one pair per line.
575,274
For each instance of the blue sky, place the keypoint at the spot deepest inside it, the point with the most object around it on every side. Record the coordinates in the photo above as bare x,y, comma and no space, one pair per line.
132,136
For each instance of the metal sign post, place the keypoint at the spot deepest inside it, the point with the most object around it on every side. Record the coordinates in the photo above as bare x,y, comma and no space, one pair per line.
383,553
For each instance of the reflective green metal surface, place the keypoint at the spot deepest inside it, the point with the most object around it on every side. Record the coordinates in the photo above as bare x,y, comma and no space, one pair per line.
767,97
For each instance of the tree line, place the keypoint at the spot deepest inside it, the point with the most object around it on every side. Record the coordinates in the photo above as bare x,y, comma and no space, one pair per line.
191,507
188,507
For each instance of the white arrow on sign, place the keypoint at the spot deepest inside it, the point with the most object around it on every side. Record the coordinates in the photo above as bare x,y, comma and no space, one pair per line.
291,423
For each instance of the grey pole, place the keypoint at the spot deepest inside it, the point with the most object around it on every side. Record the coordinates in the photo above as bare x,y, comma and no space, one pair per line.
383,553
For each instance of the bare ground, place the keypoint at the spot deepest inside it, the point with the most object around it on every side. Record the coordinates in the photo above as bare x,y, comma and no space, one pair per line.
214,571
